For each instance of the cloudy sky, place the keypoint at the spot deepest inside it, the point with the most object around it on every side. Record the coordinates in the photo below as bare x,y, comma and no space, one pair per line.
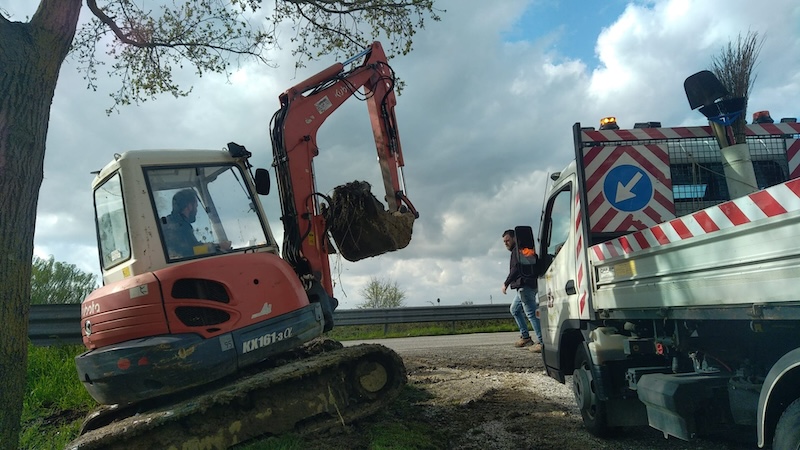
492,92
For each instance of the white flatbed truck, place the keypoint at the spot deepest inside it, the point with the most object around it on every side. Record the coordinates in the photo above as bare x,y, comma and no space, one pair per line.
668,304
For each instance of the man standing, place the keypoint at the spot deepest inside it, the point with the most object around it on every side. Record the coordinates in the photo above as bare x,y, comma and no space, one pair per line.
524,303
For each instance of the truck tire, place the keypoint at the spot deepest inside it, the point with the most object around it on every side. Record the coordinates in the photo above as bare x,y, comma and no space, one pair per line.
787,433
593,410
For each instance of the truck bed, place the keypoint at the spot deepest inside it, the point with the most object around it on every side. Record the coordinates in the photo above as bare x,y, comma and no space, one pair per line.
743,252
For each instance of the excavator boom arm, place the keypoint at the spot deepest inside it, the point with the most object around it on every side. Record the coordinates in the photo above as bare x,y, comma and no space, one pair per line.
304,108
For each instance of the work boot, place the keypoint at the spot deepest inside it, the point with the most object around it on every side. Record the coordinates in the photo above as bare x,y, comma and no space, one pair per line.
523,342
536,348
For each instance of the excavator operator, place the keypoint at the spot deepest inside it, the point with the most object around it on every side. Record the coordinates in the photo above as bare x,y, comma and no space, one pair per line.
178,230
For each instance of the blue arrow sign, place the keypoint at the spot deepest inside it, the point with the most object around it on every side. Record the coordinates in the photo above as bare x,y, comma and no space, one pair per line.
628,188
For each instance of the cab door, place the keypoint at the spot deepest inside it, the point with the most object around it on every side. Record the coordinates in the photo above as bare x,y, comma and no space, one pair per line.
559,302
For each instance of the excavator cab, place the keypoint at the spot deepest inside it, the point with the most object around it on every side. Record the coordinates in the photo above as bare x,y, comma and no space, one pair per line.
190,210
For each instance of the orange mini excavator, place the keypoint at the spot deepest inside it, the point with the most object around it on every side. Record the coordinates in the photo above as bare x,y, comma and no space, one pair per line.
188,338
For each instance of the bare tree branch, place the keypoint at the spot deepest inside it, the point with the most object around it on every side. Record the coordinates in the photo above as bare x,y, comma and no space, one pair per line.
330,30
109,22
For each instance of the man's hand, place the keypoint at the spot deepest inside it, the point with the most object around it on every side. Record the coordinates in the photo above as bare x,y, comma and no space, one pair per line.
504,289
223,246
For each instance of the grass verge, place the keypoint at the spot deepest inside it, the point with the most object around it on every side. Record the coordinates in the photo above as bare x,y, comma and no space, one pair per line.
55,401
363,332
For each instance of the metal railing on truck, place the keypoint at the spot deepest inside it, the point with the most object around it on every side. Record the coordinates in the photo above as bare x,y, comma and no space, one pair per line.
60,324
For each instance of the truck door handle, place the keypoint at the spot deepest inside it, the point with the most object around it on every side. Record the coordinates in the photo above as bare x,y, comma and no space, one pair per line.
570,287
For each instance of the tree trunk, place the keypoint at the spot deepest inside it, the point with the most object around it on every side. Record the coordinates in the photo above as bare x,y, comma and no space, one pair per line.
30,58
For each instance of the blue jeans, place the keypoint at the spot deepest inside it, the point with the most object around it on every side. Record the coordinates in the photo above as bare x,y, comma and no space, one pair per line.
525,304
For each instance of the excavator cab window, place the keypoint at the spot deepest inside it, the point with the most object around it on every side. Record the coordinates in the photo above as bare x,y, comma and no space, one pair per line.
112,228
204,210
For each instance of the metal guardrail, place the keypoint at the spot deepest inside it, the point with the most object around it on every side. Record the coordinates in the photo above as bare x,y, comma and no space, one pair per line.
378,316
60,324
55,324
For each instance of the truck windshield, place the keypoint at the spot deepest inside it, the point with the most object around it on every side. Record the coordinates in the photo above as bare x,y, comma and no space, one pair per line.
204,210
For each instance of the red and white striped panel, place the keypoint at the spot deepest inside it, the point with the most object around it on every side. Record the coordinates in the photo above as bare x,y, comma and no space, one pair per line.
644,134
580,258
654,160
793,155
771,202
763,129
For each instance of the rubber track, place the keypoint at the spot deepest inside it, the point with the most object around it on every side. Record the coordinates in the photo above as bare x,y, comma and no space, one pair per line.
304,396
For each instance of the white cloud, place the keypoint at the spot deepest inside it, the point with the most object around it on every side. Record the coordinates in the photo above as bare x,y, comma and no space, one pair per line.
482,121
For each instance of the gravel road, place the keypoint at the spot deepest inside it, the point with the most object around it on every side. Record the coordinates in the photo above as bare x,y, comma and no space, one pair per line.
497,396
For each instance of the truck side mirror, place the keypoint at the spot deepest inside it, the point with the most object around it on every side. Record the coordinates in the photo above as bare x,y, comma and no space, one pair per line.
526,250
262,181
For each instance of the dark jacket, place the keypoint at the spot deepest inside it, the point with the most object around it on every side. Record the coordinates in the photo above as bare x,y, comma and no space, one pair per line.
179,235
515,280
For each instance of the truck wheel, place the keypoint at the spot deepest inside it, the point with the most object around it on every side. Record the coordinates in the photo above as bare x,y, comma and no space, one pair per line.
787,433
593,410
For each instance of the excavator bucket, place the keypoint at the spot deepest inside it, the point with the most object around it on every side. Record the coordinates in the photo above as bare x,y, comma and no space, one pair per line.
360,225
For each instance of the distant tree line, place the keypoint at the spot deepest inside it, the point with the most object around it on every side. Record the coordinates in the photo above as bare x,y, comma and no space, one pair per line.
54,282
